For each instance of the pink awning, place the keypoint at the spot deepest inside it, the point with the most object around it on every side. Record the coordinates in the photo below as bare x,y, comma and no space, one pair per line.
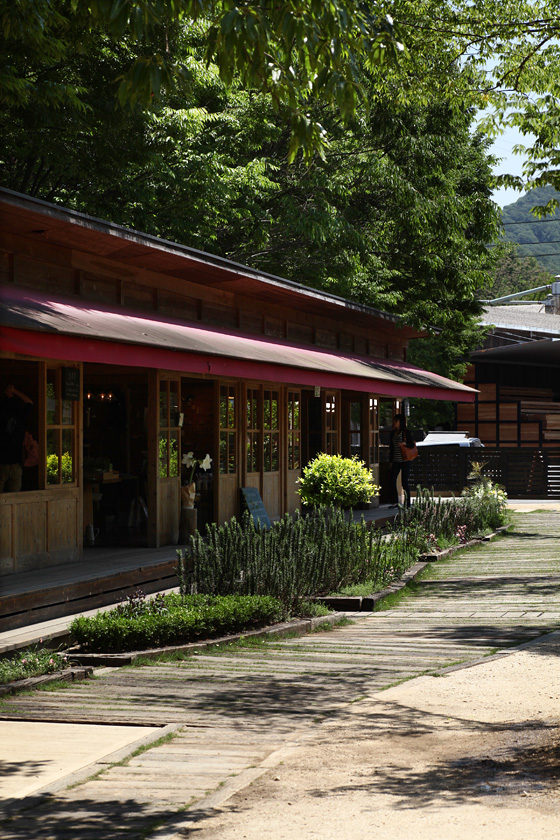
43,325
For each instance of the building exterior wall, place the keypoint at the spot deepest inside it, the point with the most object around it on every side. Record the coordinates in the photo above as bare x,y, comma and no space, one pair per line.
47,523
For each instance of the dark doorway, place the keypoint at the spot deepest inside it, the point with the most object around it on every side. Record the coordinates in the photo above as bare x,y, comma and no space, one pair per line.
115,457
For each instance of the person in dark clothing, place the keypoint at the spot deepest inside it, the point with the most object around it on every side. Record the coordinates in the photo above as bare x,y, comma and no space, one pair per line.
399,434
15,408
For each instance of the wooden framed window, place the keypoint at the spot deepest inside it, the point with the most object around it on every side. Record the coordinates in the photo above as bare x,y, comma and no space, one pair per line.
331,423
373,431
254,432
169,429
228,430
355,428
294,430
271,431
61,422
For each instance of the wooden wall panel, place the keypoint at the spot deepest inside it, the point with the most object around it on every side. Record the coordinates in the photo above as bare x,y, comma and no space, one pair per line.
271,494
62,531
169,509
30,523
7,561
38,274
228,504
293,499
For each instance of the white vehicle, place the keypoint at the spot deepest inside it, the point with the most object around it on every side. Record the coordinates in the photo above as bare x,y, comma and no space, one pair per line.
449,439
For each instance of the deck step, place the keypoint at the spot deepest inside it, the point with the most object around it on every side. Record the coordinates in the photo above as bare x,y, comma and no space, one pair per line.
23,608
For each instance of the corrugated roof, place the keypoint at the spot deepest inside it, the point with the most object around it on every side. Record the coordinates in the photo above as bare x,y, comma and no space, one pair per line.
194,347
529,317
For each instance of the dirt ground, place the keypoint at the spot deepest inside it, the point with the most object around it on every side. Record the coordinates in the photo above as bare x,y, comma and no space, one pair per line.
472,754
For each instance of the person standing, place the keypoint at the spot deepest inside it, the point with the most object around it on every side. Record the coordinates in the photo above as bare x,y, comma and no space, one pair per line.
399,434
15,408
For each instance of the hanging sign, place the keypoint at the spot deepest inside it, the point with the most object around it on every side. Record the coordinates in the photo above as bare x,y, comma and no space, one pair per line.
71,386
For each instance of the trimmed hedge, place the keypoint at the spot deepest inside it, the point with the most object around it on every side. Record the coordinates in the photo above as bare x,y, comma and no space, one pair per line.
172,619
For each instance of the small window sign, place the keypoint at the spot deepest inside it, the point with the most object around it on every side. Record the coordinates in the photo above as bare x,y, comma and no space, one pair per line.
71,383
254,504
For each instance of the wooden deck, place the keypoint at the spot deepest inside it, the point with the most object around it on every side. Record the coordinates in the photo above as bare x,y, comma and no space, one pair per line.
102,577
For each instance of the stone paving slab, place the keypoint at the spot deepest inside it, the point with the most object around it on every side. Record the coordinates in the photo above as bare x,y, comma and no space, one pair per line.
247,702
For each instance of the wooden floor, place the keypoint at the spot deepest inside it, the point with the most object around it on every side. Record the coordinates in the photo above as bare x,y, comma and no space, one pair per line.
237,707
102,577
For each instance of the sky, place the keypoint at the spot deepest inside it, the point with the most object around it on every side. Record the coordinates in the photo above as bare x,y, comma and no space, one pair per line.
510,163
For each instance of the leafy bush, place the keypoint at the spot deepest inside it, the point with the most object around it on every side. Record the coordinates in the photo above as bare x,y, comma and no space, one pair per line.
173,619
297,558
334,480
65,467
32,662
470,515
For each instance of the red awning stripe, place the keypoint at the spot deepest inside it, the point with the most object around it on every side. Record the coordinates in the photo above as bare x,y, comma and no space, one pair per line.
63,347
43,325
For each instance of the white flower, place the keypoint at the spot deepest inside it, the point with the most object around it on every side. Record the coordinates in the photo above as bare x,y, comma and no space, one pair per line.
207,462
189,459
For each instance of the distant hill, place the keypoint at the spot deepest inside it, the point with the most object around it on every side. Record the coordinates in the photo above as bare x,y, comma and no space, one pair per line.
539,238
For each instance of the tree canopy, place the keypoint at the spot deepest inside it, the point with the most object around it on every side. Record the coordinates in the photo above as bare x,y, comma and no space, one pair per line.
304,51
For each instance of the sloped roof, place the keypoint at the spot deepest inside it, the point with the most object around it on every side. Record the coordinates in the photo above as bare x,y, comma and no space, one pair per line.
525,317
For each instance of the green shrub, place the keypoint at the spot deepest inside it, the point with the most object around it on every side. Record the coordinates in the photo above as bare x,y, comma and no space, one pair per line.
334,480
141,622
465,517
299,557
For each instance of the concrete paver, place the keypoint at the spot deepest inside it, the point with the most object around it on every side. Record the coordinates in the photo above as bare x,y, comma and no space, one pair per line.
35,754
247,703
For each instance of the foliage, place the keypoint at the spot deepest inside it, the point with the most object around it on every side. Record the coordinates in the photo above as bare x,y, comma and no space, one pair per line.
396,215
470,515
297,558
485,492
334,480
514,273
172,619
31,662
536,239
302,51
65,467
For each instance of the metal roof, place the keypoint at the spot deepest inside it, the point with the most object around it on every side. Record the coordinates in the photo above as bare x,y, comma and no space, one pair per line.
545,353
529,317
35,322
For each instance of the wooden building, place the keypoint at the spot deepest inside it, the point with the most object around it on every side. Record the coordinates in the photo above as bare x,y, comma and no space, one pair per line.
136,350
517,378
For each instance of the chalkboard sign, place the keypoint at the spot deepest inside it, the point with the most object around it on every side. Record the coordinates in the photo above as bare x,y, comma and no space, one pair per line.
254,504
70,383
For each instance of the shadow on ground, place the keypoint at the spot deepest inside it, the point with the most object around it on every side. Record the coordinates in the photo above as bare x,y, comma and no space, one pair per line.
85,819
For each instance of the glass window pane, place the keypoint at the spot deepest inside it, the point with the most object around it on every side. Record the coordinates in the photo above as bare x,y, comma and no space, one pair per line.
231,411
173,403
163,455
296,456
223,452
274,457
173,454
52,400
163,405
231,452
67,458
52,456
67,412
223,407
